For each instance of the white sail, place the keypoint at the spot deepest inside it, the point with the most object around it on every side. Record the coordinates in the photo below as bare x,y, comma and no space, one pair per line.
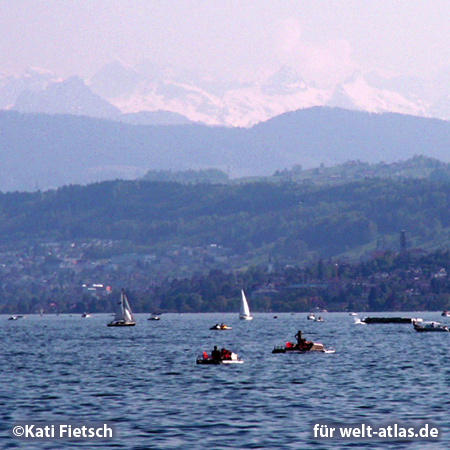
128,315
119,310
123,316
244,313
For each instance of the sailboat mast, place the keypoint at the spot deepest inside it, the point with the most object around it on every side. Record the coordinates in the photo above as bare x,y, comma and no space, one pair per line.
122,304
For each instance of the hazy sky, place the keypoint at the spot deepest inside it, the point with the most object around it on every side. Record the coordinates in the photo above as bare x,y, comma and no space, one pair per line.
323,40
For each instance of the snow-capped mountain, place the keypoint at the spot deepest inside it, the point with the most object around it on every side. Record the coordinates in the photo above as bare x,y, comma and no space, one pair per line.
245,104
115,79
356,93
118,90
33,80
70,96
217,103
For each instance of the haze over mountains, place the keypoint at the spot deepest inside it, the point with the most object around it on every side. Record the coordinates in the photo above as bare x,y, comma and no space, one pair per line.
118,90
124,121
47,151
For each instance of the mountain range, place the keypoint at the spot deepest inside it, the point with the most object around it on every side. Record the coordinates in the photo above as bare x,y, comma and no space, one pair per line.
149,94
42,151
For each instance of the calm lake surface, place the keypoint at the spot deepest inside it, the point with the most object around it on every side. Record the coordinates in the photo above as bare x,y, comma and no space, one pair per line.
145,380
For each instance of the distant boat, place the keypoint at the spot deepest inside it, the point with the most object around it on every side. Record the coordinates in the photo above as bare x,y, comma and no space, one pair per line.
359,321
222,326
445,313
311,316
154,317
85,315
15,317
301,346
391,320
244,313
219,357
124,316
430,326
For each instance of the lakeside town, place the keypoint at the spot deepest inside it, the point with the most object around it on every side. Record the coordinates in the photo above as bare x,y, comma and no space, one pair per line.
63,277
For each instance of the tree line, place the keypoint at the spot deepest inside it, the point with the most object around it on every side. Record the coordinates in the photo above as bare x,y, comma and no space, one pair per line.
403,281
291,222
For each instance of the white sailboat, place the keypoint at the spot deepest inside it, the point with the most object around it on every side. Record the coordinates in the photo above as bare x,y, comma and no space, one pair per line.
244,313
124,316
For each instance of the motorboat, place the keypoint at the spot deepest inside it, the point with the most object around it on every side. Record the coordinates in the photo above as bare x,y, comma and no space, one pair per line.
319,319
430,326
154,317
15,317
301,346
391,320
219,357
222,326
123,316
353,314
311,316
294,348
85,315
445,313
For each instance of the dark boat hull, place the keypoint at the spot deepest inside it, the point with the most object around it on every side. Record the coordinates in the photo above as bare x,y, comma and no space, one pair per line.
121,324
388,320
432,330
314,348
215,362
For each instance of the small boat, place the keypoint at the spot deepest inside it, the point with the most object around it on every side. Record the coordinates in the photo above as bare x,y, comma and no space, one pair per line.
244,313
15,317
359,321
222,326
430,326
154,317
219,357
391,320
319,319
124,316
445,313
353,314
311,316
301,346
85,315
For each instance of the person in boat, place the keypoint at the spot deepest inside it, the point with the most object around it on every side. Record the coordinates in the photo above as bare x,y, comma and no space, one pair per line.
299,338
215,354
225,354
302,343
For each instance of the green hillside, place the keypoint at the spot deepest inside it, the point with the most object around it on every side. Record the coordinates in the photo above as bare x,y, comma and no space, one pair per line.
287,221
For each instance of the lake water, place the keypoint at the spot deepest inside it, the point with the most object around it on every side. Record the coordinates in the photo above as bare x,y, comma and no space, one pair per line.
144,379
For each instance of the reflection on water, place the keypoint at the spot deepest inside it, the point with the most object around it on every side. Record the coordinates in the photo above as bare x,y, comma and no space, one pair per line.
145,380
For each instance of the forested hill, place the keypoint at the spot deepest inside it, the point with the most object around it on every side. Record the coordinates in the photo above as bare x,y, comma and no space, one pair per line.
44,151
287,221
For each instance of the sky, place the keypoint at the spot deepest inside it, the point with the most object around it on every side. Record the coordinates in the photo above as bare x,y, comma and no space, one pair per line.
325,41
